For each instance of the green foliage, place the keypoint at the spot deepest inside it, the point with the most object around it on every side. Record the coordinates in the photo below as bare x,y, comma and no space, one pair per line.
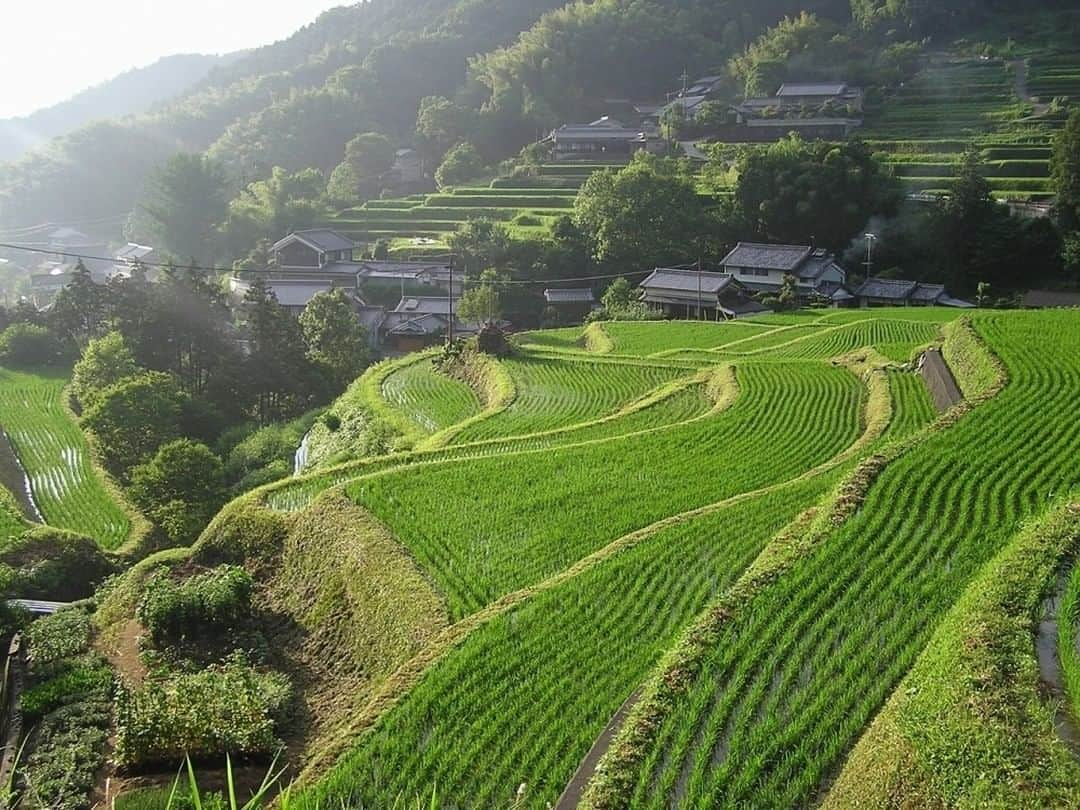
1065,172
360,176
48,563
211,602
646,215
65,634
180,488
265,453
88,675
24,345
336,341
461,163
42,430
226,708
184,202
133,418
105,361
283,202
794,190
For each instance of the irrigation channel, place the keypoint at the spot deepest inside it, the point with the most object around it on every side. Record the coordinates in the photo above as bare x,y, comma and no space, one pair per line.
1051,680
13,476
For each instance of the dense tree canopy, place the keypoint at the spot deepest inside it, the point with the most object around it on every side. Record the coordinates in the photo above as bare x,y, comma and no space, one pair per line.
336,342
184,203
646,215
361,175
1065,173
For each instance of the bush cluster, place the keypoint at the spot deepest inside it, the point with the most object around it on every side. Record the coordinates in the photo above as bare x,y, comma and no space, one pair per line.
85,676
53,638
48,563
219,598
226,708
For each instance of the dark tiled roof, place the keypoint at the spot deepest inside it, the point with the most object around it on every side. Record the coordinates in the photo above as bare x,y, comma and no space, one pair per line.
767,257
928,292
892,288
424,305
325,239
575,295
816,265
1051,298
812,89
667,278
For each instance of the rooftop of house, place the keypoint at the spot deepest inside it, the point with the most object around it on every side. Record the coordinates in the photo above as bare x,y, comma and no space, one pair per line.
133,252
594,132
326,240
1051,298
891,288
575,295
673,278
424,305
817,264
767,257
812,89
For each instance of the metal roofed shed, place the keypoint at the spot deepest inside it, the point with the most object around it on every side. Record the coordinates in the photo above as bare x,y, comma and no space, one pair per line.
574,295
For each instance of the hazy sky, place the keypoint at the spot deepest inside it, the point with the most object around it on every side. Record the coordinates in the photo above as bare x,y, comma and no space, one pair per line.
52,49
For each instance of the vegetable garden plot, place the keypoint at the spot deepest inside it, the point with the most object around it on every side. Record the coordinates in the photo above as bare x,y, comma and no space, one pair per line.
54,452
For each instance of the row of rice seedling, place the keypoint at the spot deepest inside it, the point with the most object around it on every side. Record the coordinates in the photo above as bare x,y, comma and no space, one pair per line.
430,399
51,447
645,338
526,694
911,403
501,523
658,410
517,678
895,339
554,393
796,675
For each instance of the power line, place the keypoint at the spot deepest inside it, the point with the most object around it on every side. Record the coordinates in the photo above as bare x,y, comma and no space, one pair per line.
218,269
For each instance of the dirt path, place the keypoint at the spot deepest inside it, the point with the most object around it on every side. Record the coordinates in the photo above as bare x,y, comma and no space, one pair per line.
1020,87
940,380
575,788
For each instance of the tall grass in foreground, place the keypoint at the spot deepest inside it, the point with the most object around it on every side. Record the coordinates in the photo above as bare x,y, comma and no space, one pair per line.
1068,626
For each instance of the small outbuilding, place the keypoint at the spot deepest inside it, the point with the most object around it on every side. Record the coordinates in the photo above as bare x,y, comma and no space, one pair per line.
571,303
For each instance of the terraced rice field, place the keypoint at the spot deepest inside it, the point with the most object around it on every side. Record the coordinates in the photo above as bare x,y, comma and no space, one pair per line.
579,544
550,395
430,400
53,450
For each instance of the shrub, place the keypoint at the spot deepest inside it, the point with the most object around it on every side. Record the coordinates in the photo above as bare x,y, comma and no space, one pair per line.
219,598
67,752
84,677
48,563
24,345
53,638
527,220
227,708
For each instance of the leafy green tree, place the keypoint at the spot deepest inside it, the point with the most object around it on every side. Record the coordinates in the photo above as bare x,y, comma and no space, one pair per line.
441,123
26,345
481,303
619,295
646,215
360,176
267,209
279,378
481,243
336,341
793,190
674,122
180,488
105,361
461,163
185,202
788,297
1065,173
79,308
134,417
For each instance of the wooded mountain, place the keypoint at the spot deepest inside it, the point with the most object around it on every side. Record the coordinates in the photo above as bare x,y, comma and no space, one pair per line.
515,67
132,92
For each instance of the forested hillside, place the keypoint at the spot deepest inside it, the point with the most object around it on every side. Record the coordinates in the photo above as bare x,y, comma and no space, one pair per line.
133,92
367,67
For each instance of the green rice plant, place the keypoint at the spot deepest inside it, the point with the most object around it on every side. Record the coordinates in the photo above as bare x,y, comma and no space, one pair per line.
430,399
795,676
1068,639
66,486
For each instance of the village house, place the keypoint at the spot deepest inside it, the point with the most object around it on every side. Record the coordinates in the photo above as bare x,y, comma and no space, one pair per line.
1050,299
684,293
421,321
761,268
571,304
813,110
603,139
894,292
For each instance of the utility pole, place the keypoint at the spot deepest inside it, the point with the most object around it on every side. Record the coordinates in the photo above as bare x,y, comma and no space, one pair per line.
450,323
685,79
870,239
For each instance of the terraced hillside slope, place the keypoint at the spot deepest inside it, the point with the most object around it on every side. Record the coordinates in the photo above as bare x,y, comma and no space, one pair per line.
743,534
